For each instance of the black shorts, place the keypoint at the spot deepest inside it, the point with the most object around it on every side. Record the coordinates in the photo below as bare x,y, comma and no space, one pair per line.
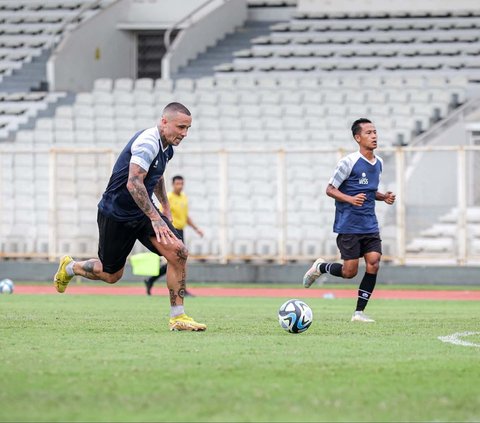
180,234
354,246
116,239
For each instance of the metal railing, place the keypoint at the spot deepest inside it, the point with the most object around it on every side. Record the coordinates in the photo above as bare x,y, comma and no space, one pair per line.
199,29
432,197
454,116
167,37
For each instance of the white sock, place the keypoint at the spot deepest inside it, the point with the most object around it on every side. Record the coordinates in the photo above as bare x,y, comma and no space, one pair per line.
176,310
69,268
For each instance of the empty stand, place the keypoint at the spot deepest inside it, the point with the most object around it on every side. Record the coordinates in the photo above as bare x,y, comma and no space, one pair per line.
27,28
17,108
290,85
441,237
246,113
266,109
326,44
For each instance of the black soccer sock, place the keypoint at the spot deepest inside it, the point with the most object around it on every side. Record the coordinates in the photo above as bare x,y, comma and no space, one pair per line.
162,272
334,269
365,290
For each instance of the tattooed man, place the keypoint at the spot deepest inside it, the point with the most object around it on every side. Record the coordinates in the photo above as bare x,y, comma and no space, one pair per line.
126,213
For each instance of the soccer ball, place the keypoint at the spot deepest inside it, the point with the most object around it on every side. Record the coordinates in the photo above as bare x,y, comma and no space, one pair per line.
295,316
6,286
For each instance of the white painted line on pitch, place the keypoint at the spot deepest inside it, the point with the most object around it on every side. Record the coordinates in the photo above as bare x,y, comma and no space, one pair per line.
454,339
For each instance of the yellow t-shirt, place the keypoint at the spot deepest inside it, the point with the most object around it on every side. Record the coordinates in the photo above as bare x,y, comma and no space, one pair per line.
179,208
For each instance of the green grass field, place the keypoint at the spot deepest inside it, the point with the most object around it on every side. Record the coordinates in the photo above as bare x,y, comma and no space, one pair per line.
84,358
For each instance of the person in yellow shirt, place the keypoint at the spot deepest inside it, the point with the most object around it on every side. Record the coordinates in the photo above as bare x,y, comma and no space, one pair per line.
180,218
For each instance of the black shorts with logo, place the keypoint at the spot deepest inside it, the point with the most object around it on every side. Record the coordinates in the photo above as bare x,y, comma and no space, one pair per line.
354,246
116,239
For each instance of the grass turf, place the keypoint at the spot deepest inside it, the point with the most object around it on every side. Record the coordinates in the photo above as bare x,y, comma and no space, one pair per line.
107,358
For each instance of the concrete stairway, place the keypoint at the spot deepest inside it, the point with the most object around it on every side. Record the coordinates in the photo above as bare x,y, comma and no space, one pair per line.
31,76
223,51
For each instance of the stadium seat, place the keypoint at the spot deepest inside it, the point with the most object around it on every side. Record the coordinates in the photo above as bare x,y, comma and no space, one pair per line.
102,98
43,137
103,85
144,84
432,245
205,84
123,98
123,84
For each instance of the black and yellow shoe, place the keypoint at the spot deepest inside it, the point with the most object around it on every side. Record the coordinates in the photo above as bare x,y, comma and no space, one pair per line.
62,278
183,322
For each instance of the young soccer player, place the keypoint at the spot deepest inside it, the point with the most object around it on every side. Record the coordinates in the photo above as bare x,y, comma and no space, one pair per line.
354,186
126,213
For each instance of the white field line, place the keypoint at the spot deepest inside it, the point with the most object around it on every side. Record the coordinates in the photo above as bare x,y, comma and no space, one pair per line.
455,339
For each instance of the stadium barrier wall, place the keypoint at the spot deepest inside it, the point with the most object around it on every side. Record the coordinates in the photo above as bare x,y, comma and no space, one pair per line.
95,49
38,271
104,46
49,199
157,14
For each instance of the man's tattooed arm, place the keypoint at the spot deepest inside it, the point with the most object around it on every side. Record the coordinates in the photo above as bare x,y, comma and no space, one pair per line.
160,191
161,194
136,187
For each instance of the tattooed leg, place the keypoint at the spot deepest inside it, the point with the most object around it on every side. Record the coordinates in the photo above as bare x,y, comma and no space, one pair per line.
93,269
176,256
173,297
176,274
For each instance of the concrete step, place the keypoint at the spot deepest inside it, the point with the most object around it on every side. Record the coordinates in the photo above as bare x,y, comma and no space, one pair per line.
211,60
29,76
223,51
228,50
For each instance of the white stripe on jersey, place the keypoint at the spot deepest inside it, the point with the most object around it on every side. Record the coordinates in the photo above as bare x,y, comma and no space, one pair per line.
345,166
145,148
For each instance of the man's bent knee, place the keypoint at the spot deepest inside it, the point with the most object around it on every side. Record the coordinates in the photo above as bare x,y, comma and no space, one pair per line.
373,266
182,253
349,274
113,277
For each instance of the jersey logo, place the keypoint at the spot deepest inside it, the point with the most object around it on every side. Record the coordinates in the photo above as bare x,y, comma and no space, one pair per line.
363,180
156,164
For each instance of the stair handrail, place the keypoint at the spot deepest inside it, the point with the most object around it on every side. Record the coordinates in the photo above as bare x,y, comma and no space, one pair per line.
168,33
442,124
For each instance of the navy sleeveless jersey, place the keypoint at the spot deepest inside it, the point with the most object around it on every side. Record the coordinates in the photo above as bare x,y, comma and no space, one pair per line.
355,175
145,150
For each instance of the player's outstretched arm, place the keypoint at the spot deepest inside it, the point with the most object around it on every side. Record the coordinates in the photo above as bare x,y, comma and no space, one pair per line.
335,193
389,197
161,193
195,227
136,187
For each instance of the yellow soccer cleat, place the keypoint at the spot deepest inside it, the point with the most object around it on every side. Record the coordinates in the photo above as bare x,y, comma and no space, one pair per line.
61,278
183,322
